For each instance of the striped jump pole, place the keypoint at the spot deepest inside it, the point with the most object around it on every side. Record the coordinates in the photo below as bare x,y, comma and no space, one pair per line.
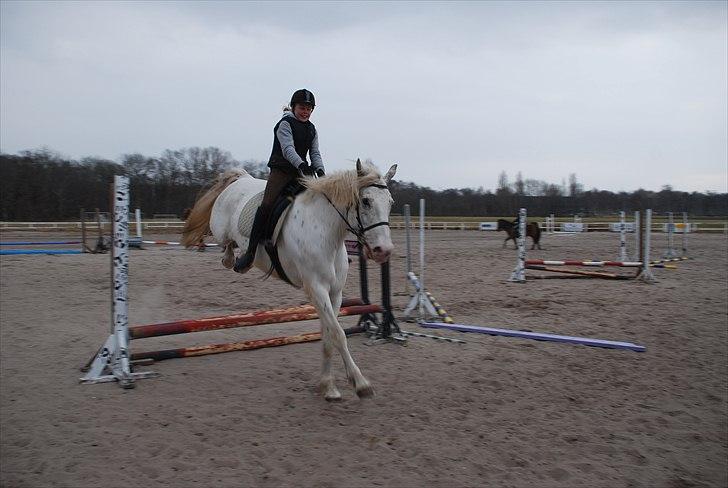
571,262
113,361
441,312
519,272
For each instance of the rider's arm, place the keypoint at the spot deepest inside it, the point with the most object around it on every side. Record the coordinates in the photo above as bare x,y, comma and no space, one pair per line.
316,161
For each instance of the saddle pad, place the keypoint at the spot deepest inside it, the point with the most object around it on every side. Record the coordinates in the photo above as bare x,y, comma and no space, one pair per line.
247,215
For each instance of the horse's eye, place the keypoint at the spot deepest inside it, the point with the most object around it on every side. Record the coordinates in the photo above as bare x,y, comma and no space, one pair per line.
366,202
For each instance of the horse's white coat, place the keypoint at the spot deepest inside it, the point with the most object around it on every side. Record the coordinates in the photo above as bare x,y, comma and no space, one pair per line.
312,252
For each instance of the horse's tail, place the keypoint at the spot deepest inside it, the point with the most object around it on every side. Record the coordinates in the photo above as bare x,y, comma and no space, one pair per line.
197,224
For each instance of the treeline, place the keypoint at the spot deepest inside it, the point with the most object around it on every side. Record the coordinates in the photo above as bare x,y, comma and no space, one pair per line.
41,185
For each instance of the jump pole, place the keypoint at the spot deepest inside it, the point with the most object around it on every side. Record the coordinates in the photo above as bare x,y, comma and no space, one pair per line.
260,317
113,362
622,237
519,272
538,336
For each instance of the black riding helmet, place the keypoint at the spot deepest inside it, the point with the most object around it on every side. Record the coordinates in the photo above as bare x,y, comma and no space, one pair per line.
303,96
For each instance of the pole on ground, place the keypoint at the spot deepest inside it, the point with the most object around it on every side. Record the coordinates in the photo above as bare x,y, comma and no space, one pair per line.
519,272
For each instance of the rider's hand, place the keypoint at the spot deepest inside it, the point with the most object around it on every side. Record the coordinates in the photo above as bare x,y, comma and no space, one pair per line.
320,172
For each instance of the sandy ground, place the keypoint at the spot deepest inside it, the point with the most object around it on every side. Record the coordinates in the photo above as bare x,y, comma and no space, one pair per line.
492,412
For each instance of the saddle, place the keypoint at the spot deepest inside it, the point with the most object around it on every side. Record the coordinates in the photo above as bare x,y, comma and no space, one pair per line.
270,234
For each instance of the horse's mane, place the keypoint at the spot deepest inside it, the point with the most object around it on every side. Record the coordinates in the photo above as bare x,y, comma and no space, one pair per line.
342,187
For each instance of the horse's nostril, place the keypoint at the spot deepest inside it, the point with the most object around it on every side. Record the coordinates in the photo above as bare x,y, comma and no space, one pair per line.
377,250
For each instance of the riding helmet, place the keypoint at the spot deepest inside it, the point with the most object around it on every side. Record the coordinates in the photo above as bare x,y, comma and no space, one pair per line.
303,96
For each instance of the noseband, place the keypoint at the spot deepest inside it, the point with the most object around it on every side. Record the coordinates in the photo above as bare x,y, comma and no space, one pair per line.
361,230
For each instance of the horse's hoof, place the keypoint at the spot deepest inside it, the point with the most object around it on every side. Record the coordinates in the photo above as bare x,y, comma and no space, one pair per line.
366,391
333,398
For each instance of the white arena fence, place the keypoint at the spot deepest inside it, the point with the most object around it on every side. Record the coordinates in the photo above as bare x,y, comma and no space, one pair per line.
173,226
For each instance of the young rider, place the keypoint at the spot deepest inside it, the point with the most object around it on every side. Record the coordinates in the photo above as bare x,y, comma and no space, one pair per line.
294,137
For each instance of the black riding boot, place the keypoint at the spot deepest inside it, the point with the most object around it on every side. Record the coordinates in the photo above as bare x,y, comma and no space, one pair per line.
244,262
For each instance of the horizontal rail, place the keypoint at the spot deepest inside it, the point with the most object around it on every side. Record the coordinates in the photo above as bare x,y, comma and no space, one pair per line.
4,252
261,317
185,352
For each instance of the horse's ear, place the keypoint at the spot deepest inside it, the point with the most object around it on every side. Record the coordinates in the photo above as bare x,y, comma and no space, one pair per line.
390,173
359,171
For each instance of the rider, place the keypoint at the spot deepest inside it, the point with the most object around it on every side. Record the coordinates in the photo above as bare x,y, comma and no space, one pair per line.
294,137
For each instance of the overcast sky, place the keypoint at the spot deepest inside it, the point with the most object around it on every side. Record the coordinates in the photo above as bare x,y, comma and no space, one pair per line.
626,95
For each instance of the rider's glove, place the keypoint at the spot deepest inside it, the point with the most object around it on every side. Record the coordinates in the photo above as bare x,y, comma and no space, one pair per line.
320,172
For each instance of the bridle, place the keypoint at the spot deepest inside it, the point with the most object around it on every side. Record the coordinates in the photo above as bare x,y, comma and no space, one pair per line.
360,231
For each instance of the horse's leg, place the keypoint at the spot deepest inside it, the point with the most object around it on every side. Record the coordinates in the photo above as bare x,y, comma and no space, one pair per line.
327,384
331,329
506,242
229,258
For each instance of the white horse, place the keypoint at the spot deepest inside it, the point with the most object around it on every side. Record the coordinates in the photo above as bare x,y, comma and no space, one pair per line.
310,242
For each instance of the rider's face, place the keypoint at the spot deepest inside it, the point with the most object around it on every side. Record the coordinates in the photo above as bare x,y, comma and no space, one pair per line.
302,111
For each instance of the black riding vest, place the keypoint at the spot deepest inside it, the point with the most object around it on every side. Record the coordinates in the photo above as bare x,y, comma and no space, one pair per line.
303,135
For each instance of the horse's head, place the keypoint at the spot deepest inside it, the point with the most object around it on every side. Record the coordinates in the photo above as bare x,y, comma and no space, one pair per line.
372,211
504,224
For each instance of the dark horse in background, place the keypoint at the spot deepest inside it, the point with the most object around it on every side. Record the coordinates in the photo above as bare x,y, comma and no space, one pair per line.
532,230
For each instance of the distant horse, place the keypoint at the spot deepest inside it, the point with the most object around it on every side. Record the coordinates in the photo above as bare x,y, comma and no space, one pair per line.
532,230
310,242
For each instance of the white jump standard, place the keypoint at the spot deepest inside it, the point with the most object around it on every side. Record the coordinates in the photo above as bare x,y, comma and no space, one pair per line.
113,361
420,300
